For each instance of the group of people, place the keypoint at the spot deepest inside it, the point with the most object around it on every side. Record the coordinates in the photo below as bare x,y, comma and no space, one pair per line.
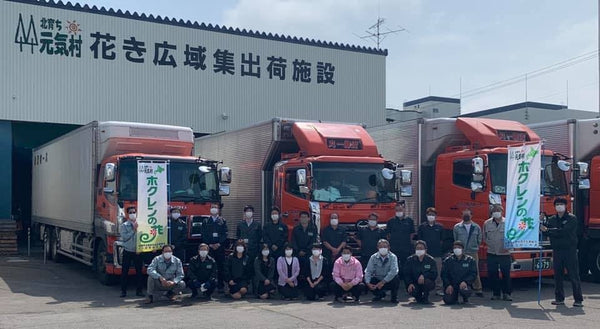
264,262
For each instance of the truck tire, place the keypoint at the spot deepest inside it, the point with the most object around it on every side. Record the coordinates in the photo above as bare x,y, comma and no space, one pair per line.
594,261
55,246
100,266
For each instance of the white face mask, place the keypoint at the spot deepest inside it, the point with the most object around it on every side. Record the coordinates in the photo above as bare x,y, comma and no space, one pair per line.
275,217
239,249
132,216
249,214
383,251
346,257
419,252
265,252
175,215
288,253
458,251
431,218
316,252
334,221
203,253
214,211
497,214
372,223
399,214
560,208
167,255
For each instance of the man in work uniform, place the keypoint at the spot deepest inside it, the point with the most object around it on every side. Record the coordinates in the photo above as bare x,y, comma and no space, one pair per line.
420,272
127,241
469,233
458,274
498,258
214,234
368,238
165,273
334,238
202,273
562,230
304,235
249,230
432,234
178,234
275,234
400,230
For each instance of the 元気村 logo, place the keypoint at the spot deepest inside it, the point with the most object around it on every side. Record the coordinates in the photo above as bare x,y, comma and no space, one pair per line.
54,38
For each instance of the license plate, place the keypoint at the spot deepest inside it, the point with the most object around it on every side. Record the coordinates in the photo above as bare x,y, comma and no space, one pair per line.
543,263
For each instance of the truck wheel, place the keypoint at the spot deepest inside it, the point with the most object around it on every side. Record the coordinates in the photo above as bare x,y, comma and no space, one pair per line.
55,246
100,266
594,261
47,242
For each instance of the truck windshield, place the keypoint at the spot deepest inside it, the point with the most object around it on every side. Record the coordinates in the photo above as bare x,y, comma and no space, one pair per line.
186,181
351,182
553,180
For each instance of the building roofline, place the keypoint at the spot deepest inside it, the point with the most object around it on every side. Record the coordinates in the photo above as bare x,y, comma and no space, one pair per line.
512,107
202,26
432,99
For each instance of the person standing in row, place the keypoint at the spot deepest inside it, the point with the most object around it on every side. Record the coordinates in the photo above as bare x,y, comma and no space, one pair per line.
127,241
562,230
381,273
275,233
432,234
178,234
264,274
214,234
368,238
288,268
304,235
333,237
202,273
400,231
498,258
458,274
249,230
420,273
237,271
469,232
317,274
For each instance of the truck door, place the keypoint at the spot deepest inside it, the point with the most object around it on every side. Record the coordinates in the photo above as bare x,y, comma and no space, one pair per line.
292,201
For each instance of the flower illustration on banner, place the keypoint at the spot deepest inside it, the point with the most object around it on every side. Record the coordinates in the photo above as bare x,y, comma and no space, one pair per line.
522,226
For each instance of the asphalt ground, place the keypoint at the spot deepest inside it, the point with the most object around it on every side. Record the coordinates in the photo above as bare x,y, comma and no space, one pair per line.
67,295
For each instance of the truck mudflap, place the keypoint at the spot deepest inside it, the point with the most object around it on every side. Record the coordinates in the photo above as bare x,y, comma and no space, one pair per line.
525,263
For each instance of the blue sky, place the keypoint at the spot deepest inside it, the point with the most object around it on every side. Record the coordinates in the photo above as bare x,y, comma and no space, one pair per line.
451,46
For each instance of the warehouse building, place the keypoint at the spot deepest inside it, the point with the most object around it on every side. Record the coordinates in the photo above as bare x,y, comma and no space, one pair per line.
64,65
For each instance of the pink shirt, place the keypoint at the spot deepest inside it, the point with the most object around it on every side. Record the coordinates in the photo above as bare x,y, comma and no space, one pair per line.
347,272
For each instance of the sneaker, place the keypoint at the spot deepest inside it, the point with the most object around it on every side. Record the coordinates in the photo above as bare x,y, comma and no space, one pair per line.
149,300
507,297
556,302
439,293
495,297
377,298
356,300
348,299
171,295
578,304
394,301
123,294
479,294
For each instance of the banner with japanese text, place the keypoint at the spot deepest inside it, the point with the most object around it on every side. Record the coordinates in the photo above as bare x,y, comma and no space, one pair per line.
523,197
152,206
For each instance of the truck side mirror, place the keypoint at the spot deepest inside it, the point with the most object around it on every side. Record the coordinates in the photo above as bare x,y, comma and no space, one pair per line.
109,172
225,176
583,169
406,191
301,177
223,190
478,165
476,187
583,184
564,165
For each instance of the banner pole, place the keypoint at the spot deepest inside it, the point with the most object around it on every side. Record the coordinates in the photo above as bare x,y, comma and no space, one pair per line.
540,235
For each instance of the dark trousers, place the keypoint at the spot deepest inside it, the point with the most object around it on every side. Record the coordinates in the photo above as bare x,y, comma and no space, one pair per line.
210,286
502,263
137,259
262,288
288,292
392,286
320,290
219,256
421,292
452,298
566,259
339,291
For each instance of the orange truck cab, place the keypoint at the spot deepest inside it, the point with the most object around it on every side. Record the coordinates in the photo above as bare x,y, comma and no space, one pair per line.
299,166
442,153
84,181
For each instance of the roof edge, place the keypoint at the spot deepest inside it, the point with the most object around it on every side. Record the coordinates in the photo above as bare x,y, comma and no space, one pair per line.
432,99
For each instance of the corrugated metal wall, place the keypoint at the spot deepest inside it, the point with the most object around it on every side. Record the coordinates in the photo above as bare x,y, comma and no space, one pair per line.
5,170
68,89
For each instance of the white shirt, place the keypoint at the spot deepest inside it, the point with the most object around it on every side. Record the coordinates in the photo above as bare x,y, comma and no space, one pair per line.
468,227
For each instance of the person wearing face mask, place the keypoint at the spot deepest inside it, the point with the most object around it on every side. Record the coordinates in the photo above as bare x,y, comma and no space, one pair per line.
470,234
498,258
562,228
249,230
381,273
275,233
178,234
347,277
237,270
165,273
316,274
333,237
420,273
303,236
127,241
202,273
214,234
368,238
432,233
264,273
458,274
288,268
400,231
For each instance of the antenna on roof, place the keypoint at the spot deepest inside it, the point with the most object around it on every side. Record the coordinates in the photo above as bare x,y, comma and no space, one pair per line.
378,32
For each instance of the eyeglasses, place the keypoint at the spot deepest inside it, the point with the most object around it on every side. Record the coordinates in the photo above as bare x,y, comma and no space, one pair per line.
131,212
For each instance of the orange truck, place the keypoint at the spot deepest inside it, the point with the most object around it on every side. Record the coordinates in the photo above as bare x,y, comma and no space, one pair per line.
579,141
294,165
441,152
84,181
